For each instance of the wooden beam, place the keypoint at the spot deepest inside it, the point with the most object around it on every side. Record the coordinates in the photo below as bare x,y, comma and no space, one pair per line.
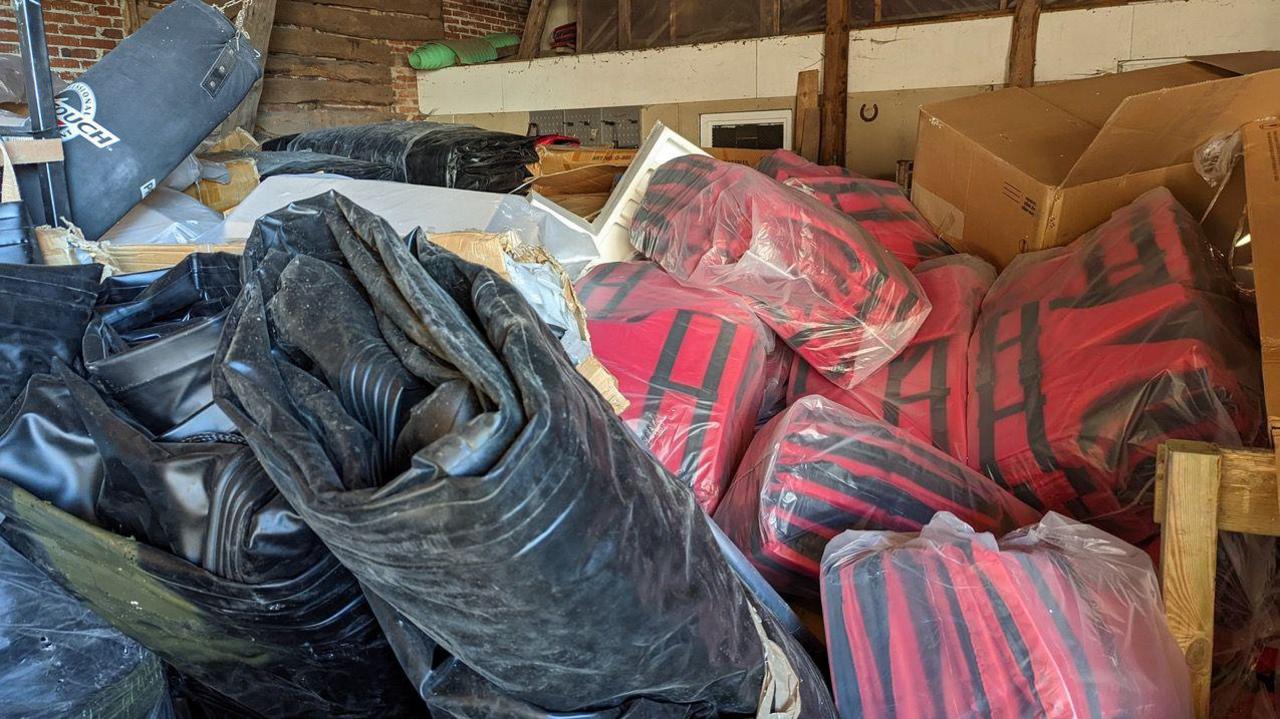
835,83
358,22
1188,558
808,118
624,24
279,64
534,25
309,42
130,17
770,17
1021,71
258,16
1247,492
290,90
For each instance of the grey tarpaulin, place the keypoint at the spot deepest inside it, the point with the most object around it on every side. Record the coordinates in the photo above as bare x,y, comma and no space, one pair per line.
505,512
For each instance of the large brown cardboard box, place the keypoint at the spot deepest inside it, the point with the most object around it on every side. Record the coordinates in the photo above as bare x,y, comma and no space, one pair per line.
1028,168
1262,181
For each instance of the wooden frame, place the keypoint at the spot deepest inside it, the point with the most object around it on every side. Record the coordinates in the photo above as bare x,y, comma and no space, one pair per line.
1202,490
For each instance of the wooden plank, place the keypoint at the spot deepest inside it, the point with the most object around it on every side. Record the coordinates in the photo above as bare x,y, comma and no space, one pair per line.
30,152
1188,558
1248,491
534,24
433,9
294,90
835,83
624,24
258,17
357,22
808,132
770,17
129,16
276,120
310,42
348,70
1021,71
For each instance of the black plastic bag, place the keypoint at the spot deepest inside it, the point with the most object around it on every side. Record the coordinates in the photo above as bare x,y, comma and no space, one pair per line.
43,313
518,524
140,110
280,630
304,162
430,153
59,661
151,345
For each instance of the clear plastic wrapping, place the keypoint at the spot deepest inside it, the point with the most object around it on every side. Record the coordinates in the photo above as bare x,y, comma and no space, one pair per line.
829,289
429,153
448,453
1086,358
819,469
923,390
693,363
164,217
1058,620
878,206
60,661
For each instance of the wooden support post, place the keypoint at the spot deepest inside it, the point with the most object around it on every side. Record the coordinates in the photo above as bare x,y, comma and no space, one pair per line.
129,16
808,118
624,24
259,17
1021,71
835,83
1188,556
770,17
534,24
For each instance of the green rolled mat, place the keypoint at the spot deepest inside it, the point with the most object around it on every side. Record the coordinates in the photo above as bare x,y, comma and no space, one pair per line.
469,51
432,56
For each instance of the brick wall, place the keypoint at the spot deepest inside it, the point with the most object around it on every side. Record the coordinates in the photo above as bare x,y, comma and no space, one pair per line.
79,32
473,18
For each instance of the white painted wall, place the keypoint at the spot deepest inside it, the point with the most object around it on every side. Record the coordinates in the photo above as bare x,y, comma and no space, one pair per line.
1072,44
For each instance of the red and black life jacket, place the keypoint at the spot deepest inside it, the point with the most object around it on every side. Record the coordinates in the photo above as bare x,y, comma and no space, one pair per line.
1086,358
879,206
820,469
923,390
1059,621
825,285
692,362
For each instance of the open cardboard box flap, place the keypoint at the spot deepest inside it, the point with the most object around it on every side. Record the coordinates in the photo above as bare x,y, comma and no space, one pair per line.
1025,169
1262,181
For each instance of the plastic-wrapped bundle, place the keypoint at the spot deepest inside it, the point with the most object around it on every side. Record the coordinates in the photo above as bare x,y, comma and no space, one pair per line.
833,293
1058,620
43,314
1086,358
140,110
59,661
691,362
820,469
151,345
430,153
474,531
880,207
305,162
225,583
922,390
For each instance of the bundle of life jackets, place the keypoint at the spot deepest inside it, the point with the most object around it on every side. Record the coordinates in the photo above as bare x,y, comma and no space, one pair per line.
695,365
923,390
822,282
1057,620
1086,358
879,206
819,469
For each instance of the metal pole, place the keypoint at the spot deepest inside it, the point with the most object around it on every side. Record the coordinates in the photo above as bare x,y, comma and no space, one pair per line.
40,105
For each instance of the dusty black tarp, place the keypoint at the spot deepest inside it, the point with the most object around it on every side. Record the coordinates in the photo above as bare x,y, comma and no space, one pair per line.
60,661
430,153
508,515
43,314
303,162
150,345
224,582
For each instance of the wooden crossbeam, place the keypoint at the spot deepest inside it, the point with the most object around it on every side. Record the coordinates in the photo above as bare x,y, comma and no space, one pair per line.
534,25
835,83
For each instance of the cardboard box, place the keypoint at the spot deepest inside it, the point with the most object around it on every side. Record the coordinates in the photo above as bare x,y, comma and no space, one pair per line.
738,155
62,246
224,197
1029,168
1262,180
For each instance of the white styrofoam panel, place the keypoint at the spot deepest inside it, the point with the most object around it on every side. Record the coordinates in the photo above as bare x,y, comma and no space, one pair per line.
943,54
1204,27
1072,45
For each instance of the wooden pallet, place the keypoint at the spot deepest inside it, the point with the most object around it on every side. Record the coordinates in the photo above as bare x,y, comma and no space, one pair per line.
1200,491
